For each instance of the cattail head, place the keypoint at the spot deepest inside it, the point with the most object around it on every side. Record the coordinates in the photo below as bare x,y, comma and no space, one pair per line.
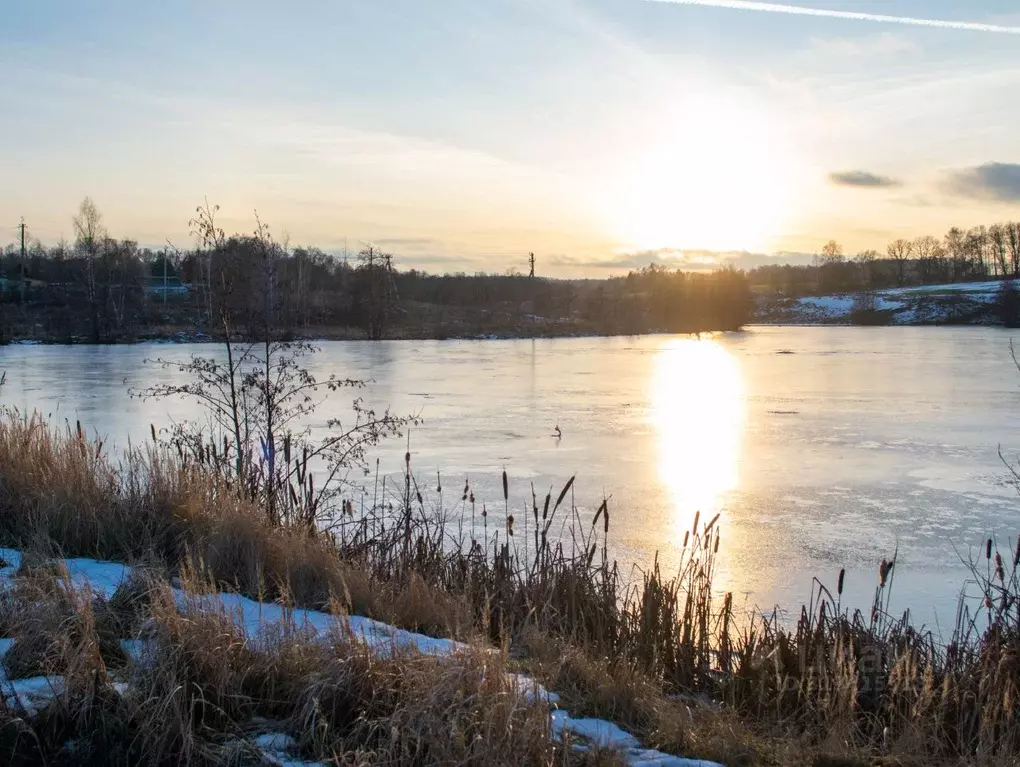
687,535
152,428
839,582
472,497
506,493
883,571
988,549
407,458
510,524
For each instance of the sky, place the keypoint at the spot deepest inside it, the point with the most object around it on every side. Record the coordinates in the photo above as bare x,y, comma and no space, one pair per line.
463,134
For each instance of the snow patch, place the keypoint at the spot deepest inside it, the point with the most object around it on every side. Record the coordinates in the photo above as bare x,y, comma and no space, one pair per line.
275,747
262,621
606,735
830,306
32,694
531,690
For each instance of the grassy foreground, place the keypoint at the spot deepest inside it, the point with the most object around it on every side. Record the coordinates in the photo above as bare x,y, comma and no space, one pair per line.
665,659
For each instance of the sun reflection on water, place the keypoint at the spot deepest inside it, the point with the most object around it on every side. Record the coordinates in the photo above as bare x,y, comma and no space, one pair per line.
698,409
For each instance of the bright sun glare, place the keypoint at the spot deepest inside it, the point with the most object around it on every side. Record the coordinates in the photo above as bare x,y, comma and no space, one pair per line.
698,400
712,174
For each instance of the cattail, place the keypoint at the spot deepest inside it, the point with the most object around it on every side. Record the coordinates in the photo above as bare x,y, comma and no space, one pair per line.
687,535
506,494
988,549
548,497
152,429
472,496
883,572
564,491
407,458
839,581
510,524
1016,557
697,516
715,548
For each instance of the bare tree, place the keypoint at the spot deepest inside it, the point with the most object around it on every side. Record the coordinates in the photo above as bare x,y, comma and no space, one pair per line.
997,246
930,257
259,401
900,252
1013,245
865,261
832,253
956,252
977,251
210,238
89,238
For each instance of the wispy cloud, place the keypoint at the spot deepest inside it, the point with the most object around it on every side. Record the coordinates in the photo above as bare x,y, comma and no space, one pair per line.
864,179
798,10
994,181
688,260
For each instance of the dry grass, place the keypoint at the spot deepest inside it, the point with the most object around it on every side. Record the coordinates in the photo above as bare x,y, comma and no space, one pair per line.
666,658
200,690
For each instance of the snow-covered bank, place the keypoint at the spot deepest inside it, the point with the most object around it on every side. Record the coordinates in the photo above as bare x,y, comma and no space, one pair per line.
260,622
957,303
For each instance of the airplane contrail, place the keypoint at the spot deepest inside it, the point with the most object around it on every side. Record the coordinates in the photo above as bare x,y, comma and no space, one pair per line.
798,10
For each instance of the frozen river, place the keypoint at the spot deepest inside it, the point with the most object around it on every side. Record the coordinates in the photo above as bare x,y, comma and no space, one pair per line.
822,447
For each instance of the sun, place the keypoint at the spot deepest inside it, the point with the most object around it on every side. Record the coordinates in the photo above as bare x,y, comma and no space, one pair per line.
709,173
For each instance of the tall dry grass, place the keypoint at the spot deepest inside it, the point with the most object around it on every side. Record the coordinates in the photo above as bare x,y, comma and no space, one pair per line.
666,656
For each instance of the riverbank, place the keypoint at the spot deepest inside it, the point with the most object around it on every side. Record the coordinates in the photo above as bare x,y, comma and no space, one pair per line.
975,303
673,665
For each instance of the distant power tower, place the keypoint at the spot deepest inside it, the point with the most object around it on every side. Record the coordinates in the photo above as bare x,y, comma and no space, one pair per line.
23,258
531,262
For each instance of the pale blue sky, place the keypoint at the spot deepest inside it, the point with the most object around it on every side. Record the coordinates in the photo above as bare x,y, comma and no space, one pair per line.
464,133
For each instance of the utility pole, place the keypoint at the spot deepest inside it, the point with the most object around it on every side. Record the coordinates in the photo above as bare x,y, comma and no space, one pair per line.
22,259
531,261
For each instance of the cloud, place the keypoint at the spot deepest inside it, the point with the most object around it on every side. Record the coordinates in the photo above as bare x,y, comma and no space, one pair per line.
863,178
885,45
799,10
688,260
412,243
995,181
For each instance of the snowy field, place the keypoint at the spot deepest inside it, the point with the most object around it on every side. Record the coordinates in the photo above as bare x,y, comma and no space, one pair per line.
923,305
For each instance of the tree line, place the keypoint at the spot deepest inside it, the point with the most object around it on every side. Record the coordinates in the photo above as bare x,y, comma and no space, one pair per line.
979,253
102,289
